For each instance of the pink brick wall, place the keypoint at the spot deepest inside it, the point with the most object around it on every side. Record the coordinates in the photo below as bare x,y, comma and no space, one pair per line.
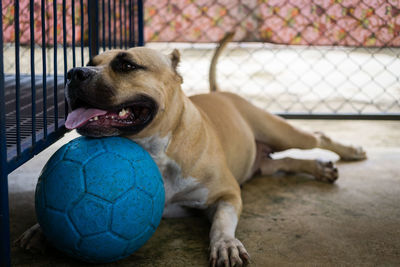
8,21
320,22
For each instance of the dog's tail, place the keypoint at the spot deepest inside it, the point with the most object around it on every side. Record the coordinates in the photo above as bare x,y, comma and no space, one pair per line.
213,66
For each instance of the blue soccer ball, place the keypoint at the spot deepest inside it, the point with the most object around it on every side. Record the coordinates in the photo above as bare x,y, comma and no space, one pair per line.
99,200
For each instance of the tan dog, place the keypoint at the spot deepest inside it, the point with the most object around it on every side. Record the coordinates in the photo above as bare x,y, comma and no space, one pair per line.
205,146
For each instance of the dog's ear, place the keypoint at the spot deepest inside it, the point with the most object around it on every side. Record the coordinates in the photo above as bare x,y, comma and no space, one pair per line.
175,57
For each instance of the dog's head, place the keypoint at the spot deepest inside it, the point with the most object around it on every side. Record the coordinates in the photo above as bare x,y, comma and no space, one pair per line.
122,92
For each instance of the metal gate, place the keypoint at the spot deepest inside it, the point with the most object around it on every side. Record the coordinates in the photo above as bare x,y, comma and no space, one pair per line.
39,42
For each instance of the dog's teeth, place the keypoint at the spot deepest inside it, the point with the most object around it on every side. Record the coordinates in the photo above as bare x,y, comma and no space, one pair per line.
112,117
96,118
122,112
91,120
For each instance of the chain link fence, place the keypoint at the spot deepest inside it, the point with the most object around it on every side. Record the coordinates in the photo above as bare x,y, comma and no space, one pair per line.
291,57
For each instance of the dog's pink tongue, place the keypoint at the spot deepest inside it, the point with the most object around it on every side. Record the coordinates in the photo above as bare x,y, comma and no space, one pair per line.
80,116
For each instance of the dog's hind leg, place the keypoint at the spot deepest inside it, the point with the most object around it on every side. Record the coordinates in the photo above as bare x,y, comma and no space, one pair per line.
264,164
281,135
286,136
346,152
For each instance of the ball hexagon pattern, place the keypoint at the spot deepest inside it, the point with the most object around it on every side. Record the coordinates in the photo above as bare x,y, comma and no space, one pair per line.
99,199
91,215
116,179
123,210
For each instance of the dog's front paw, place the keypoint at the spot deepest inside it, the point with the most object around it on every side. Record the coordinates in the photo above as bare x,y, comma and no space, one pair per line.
228,252
32,239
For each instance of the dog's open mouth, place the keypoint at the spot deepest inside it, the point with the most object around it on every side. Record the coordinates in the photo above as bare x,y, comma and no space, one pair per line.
131,117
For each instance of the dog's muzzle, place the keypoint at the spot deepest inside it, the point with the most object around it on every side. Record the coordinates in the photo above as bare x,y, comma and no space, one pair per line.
77,77
93,112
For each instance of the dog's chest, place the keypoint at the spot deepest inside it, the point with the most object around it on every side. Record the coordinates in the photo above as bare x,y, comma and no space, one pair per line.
179,191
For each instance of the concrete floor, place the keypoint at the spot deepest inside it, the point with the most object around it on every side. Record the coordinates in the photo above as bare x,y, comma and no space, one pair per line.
287,219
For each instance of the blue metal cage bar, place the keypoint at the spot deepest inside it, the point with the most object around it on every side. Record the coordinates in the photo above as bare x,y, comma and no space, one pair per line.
17,77
32,104
82,33
103,24
4,214
33,84
55,63
44,69
109,24
73,34
120,24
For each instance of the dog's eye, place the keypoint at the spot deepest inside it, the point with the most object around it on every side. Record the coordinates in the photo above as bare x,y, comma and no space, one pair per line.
126,66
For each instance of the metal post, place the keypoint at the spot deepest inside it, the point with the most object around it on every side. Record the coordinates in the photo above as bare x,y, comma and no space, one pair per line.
82,42
109,24
73,33
120,25
131,30
103,24
4,212
55,45
17,77
140,23
33,79
93,8
5,259
125,28
44,64
64,19
114,26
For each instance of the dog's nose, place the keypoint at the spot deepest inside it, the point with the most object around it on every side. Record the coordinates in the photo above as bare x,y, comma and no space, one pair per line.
78,75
